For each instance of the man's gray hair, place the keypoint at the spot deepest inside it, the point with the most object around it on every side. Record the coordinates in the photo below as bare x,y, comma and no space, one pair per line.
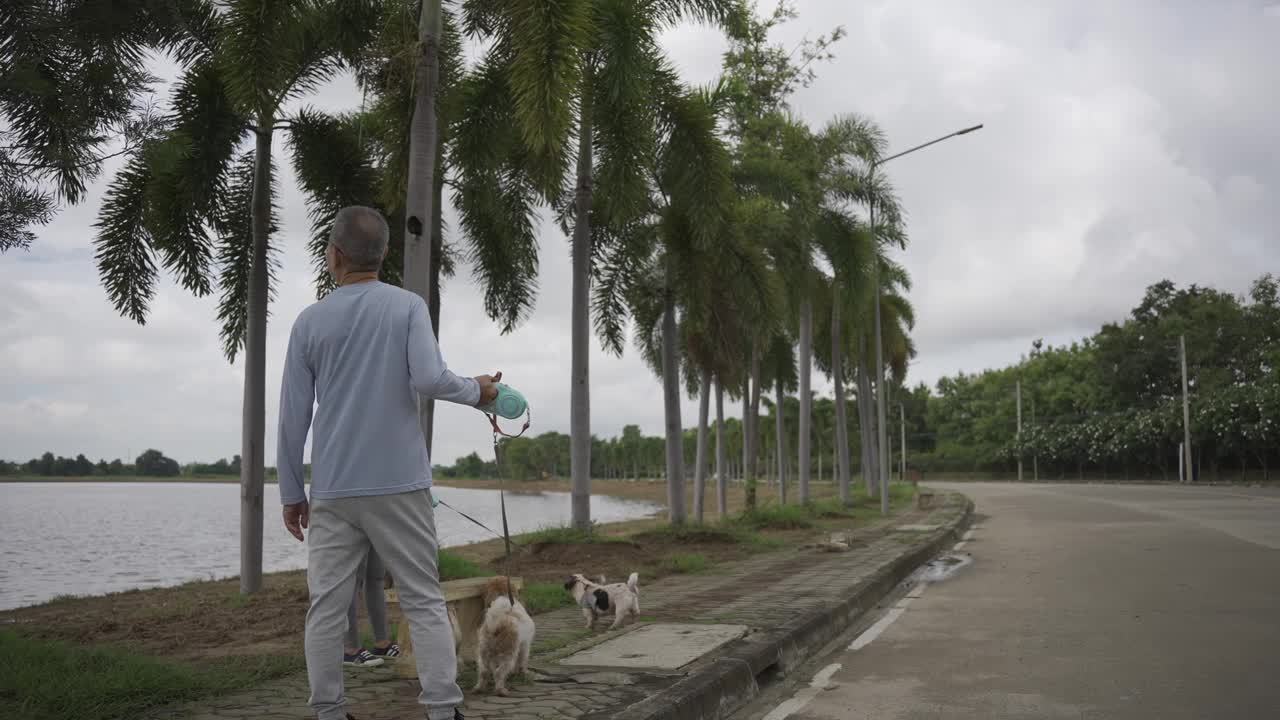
361,233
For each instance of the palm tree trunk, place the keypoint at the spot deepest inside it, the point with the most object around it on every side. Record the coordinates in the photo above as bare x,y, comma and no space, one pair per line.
842,425
433,300
579,371
671,407
254,421
700,469
746,425
806,407
864,458
722,454
865,422
420,194
753,439
780,429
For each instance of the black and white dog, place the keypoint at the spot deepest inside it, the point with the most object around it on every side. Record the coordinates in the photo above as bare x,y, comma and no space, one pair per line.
597,598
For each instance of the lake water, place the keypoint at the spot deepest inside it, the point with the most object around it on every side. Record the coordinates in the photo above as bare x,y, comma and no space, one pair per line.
95,538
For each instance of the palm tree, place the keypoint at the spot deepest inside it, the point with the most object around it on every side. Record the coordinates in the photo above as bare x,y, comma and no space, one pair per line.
241,63
589,67
848,145
851,250
712,335
900,349
688,235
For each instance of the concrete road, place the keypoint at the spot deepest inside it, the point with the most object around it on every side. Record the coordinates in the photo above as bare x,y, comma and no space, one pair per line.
1085,601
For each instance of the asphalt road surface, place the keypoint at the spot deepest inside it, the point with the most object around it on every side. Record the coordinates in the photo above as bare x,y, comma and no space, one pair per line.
1081,601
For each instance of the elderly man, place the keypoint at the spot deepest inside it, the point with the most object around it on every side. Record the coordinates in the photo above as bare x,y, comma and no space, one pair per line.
363,355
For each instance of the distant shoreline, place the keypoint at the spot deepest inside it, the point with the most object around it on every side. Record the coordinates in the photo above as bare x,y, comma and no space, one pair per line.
219,479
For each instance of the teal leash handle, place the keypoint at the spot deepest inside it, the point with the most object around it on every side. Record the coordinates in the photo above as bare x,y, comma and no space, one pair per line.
508,403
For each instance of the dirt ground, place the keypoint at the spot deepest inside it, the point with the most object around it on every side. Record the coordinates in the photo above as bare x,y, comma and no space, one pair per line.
211,619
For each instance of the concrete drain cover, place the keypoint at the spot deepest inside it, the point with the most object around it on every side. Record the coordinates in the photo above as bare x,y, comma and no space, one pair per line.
917,528
660,646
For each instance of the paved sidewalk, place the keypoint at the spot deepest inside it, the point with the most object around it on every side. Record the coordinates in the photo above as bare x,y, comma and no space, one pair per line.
761,592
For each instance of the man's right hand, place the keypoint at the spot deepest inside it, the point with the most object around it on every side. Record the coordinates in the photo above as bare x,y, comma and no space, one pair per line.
488,387
296,517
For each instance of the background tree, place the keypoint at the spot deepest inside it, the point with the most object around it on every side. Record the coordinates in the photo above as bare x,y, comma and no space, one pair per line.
154,463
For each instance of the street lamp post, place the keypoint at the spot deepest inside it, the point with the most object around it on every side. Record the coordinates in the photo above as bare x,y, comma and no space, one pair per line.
880,389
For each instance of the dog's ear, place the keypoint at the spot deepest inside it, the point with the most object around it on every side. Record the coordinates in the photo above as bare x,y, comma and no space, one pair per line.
568,584
602,600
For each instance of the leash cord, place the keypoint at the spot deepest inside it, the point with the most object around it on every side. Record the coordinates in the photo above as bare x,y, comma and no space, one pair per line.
502,499
477,522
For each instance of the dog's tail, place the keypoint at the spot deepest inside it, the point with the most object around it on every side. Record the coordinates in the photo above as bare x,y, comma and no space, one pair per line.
633,583
500,608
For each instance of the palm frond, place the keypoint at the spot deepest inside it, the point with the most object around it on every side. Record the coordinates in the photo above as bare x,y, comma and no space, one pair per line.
188,167
694,169
545,64
122,246
482,18
853,135
335,168
233,222
622,256
646,297
258,51
324,37
72,77
188,30
496,195
22,205
622,108
673,12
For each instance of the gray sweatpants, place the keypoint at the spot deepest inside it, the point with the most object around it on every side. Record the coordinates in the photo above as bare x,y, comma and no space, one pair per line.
369,579
401,528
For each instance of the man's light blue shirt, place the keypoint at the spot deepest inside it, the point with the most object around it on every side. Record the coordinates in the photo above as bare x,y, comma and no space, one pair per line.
361,356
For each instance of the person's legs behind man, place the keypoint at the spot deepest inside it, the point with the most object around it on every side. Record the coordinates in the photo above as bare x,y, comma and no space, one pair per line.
353,653
375,603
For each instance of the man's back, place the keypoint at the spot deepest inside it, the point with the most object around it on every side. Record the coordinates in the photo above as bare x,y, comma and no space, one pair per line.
363,353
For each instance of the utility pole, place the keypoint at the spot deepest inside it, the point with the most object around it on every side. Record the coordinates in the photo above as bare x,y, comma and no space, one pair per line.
902,413
1018,391
1186,409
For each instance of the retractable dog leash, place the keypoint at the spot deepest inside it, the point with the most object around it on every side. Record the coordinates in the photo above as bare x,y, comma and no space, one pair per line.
510,405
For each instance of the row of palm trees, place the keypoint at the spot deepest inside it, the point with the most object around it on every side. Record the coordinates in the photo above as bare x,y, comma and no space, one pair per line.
712,222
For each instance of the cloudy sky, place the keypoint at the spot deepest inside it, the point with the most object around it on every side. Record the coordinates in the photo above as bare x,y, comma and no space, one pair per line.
1125,142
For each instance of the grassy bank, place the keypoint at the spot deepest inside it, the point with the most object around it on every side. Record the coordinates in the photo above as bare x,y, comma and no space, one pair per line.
43,678
114,655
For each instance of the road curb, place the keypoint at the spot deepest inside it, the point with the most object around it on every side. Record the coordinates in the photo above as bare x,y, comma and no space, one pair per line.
722,686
